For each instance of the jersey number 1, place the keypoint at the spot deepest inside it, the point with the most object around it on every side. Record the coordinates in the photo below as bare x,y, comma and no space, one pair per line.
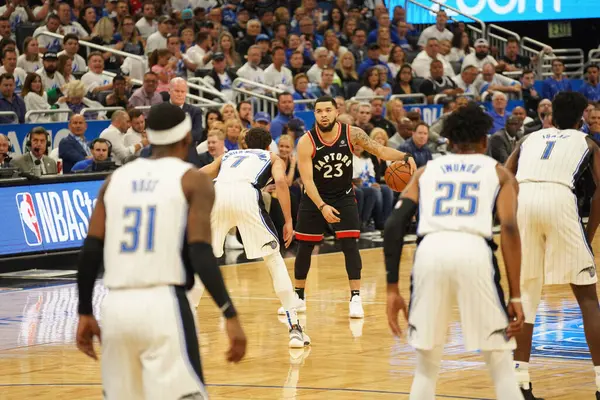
548,150
139,218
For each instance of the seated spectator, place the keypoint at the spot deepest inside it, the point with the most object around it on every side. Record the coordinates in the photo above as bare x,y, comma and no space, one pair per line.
251,71
404,131
119,96
295,129
158,39
296,64
215,147
52,79
115,134
160,63
492,82
212,115
35,98
586,117
146,95
9,66
65,67
543,109
363,179
48,43
301,93
480,56
395,112
403,36
35,161
383,80
9,101
253,29
94,80
445,47
590,88
276,74
67,25
466,81
321,61
128,39
285,107
263,41
345,119
326,87
233,128
228,111
75,100
364,118
556,83
359,45
340,103
30,60
177,93
422,62
352,108
103,35
332,43
437,83
307,28
147,25
520,113
531,97
383,21
101,152
416,146
371,85
498,111
378,120
373,60
461,47
137,131
71,49
5,157
437,31
404,83
87,19
385,198
74,148
512,60
17,12
220,77
226,45
594,124
396,61
244,109
200,54
502,143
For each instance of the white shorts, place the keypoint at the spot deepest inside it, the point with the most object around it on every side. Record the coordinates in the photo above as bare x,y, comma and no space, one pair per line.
554,245
457,266
150,346
240,205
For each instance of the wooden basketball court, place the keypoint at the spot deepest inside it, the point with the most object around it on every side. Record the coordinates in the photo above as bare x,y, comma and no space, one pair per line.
349,359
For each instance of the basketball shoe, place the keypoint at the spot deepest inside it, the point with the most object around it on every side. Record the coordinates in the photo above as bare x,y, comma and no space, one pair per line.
528,394
356,308
298,339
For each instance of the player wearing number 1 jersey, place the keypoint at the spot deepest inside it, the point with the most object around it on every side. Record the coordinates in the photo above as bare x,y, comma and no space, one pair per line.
325,165
556,247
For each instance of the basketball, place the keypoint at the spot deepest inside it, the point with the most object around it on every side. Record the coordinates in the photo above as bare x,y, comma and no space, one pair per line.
397,176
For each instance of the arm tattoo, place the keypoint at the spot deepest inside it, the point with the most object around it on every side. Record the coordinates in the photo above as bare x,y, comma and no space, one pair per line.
360,138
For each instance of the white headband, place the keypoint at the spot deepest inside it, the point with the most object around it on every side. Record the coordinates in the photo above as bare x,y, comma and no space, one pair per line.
171,135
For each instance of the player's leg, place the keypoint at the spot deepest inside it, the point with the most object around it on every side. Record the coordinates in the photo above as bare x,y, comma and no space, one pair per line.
587,298
501,369
426,374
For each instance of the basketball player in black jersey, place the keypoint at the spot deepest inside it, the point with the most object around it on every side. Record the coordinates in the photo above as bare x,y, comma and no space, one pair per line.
325,164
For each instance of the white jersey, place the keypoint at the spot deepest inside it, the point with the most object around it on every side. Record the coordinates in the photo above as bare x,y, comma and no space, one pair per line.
146,214
554,156
245,166
457,193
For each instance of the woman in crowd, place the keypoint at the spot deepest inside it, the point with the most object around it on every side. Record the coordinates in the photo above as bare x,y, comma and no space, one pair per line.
403,84
76,101
103,35
352,107
212,115
460,47
128,38
349,26
346,68
397,60
87,19
363,178
301,92
286,153
371,84
282,15
35,98
65,67
384,40
383,80
228,112
394,111
445,49
332,43
280,32
226,46
187,39
30,60
160,63
233,128
335,21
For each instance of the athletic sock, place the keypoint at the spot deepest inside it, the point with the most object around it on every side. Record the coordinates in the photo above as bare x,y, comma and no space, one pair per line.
354,293
522,373
300,292
597,371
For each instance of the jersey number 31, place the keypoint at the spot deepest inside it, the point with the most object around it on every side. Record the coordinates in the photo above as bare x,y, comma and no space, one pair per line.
138,217
467,192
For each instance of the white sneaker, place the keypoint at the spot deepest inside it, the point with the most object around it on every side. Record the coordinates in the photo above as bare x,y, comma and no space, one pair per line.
298,339
300,306
231,243
356,308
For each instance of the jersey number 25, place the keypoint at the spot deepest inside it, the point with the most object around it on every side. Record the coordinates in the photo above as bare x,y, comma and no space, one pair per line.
467,192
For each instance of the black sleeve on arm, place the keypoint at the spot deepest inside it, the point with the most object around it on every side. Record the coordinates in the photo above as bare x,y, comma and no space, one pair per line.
393,237
88,265
205,264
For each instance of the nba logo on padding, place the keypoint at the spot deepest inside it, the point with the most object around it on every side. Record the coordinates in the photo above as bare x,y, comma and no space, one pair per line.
29,220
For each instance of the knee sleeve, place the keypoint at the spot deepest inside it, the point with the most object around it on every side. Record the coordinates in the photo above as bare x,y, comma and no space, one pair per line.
352,258
302,264
500,364
279,274
531,295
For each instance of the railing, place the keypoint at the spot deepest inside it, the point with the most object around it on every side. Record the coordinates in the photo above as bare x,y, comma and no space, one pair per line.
498,37
411,96
594,56
535,50
261,102
45,112
99,109
10,114
572,58
203,86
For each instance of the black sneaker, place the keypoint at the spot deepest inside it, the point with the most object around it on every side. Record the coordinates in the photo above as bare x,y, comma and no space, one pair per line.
528,394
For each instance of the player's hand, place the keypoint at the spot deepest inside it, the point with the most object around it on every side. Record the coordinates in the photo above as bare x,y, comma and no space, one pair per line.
395,303
86,330
411,163
516,319
237,340
329,213
288,233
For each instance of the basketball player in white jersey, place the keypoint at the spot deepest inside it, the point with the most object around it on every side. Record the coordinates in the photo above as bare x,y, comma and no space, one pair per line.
239,176
151,227
556,248
456,195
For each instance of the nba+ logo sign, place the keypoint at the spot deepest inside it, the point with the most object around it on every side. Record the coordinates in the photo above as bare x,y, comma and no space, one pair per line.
29,221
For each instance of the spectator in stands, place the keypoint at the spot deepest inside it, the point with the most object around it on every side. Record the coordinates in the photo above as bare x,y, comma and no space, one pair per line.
5,28
233,128
158,39
437,83
17,12
461,48
285,106
147,94
101,151
346,68
48,43
594,124
326,87
416,146
590,88
384,203
35,98
251,71
335,20
238,29
403,84
502,143
421,63
373,61
264,42
179,60
177,92
94,80
103,35
127,38
301,92
520,113
480,56
531,98
9,66
75,100
262,120
66,25
512,60
122,11
543,109
276,74
586,117
200,54
88,19
404,132
5,157
332,43
137,131
74,148
437,31
36,156
556,83
394,111
364,118
350,24
383,20
307,29
358,46
220,77
498,111
160,63
244,109
363,178
212,115
321,61
492,82
253,28
10,101
371,84
147,25
226,45
30,60
296,64
396,61
215,147
71,49
378,120
119,96
115,133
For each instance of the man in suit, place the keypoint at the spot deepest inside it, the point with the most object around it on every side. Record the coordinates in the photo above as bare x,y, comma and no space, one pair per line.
177,92
503,142
30,161
74,148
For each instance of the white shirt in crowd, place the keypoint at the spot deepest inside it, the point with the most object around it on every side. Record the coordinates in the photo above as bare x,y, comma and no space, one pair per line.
29,66
280,79
458,55
19,75
79,64
314,74
155,41
433,32
196,55
422,62
18,16
470,59
497,80
146,28
461,84
254,74
35,102
74,28
47,42
56,82
120,151
361,166
132,138
226,85
92,80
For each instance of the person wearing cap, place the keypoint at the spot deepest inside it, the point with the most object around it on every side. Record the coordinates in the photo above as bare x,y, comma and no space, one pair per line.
147,25
201,53
437,31
158,40
277,74
220,77
421,65
51,79
264,42
481,55
295,128
251,71
373,60
187,16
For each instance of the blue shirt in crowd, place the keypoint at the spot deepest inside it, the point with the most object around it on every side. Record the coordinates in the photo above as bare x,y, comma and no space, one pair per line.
592,93
551,87
277,124
499,121
421,155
